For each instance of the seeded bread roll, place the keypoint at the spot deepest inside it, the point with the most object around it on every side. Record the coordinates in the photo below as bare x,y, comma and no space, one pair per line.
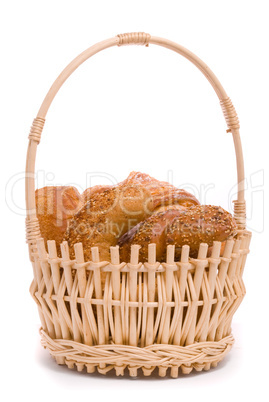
54,207
112,212
192,226
88,193
166,207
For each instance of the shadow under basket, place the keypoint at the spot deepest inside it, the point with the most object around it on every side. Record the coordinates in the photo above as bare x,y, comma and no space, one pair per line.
126,316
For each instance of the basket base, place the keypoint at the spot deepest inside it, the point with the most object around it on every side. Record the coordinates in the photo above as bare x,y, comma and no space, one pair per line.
167,358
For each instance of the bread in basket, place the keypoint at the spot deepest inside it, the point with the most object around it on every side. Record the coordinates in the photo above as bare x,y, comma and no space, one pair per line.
132,315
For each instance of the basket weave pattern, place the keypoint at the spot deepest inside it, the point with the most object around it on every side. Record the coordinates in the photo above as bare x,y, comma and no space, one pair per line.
170,315
108,315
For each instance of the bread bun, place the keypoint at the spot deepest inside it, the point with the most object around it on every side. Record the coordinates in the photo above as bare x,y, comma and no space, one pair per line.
111,212
88,193
54,207
191,226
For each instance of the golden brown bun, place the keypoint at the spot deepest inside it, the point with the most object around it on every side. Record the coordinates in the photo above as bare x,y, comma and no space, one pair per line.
166,207
88,193
151,230
54,207
192,226
159,193
111,212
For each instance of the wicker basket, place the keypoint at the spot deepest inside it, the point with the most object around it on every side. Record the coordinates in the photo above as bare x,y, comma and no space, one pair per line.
172,315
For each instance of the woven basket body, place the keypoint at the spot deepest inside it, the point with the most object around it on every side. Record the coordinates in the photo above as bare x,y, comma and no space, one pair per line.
168,315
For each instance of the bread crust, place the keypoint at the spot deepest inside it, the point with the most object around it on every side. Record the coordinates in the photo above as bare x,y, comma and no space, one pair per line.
88,193
115,210
55,206
190,226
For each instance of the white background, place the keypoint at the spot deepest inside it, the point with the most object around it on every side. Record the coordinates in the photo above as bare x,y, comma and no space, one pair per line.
133,108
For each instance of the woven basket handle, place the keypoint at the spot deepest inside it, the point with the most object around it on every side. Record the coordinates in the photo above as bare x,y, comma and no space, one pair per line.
138,38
